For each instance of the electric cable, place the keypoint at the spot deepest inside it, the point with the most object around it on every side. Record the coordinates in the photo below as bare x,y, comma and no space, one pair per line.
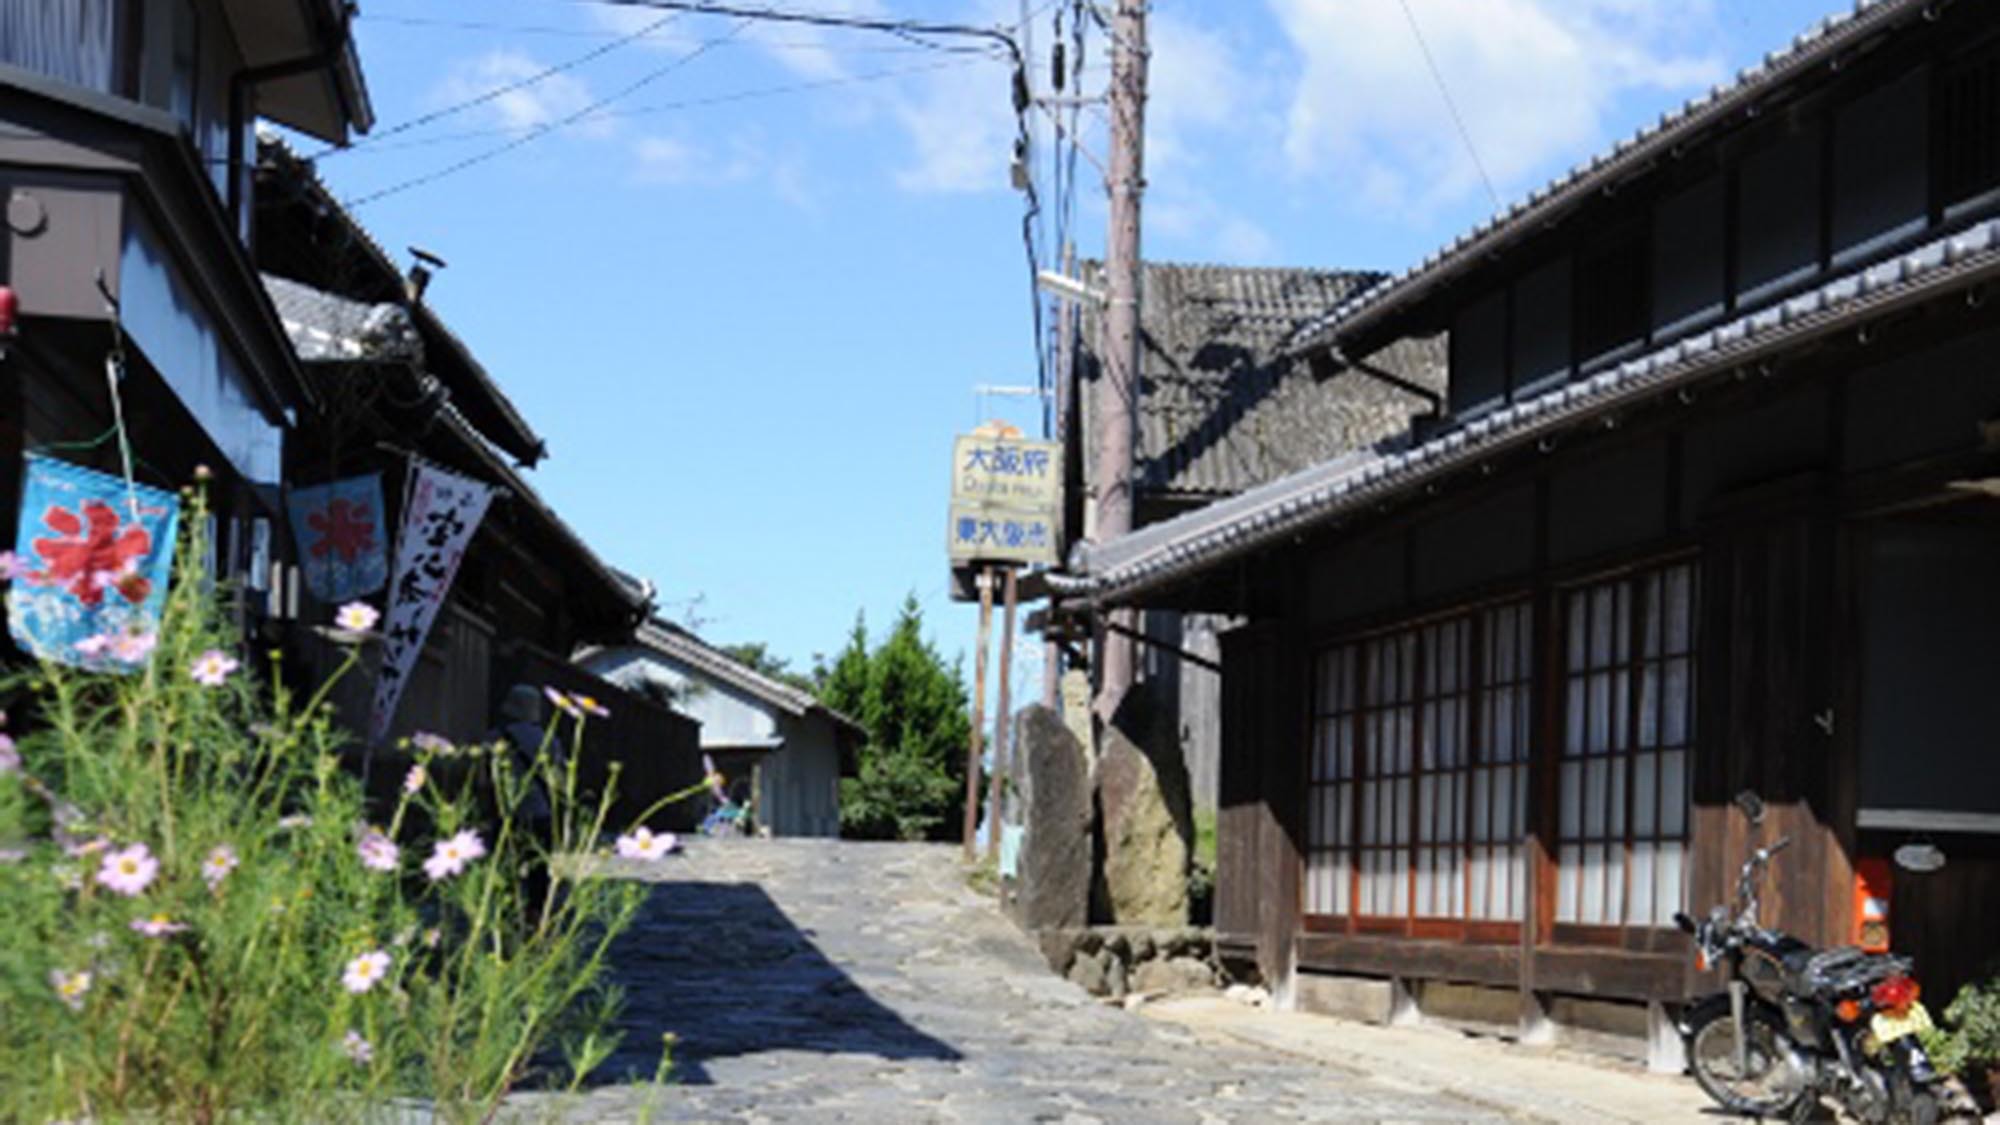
503,89
1450,105
548,127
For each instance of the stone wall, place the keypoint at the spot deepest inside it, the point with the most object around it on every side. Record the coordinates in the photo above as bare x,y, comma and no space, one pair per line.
1114,961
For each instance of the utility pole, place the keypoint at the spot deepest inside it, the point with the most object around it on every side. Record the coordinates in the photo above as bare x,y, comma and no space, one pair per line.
985,581
1118,384
1001,745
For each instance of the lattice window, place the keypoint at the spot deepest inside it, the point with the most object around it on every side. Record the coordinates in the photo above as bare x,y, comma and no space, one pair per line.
1418,780
1329,852
1628,725
1501,740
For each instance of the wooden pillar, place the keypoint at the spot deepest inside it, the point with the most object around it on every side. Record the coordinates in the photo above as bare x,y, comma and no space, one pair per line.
985,581
1000,741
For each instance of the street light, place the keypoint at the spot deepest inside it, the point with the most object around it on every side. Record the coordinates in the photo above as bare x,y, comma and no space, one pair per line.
1065,286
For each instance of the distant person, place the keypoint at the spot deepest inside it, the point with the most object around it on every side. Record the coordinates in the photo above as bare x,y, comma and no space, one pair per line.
523,729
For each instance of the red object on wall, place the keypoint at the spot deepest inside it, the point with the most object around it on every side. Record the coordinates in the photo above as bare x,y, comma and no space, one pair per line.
1874,886
10,308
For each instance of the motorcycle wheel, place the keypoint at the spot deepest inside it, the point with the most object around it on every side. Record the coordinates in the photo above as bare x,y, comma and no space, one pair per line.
1767,1088
1915,1105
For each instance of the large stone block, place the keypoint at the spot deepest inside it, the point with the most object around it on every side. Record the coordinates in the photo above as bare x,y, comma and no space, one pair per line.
1052,887
1142,787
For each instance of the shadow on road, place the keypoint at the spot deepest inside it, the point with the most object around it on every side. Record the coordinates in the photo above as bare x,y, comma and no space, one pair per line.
721,967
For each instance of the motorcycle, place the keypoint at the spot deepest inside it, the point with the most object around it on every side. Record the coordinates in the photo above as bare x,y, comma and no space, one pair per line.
1796,1026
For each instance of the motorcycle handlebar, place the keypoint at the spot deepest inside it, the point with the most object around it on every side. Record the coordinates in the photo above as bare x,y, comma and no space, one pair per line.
1683,921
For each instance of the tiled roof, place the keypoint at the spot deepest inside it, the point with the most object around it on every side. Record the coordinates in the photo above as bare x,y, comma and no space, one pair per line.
681,644
325,327
1810,49
1222,408
1176,549
362,268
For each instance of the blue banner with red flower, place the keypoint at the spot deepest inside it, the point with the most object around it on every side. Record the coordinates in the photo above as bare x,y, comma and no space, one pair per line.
342,548
90,565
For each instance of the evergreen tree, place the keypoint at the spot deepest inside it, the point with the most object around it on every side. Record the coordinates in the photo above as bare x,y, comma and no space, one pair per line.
911,783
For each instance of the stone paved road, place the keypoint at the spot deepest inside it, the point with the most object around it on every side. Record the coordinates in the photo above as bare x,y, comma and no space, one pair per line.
817,981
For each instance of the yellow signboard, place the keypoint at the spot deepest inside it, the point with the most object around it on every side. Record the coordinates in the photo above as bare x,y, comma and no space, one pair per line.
1007,472
988,534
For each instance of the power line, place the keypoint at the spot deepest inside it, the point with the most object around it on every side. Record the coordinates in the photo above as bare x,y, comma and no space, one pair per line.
509,87
1437,76
752,94
552,31
909,29
546,128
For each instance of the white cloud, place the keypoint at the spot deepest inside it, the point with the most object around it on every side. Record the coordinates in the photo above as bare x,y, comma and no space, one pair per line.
1185,223
1532,80
533,105
1194,85
745,158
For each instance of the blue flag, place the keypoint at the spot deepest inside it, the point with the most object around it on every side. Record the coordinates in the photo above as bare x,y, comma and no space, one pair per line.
343,549
90,566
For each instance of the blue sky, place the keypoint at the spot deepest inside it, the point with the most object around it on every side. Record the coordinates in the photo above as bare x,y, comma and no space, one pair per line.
748,300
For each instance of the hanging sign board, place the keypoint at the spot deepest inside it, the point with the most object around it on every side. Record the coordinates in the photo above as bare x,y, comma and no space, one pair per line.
442,512
1006,498
341,548
1001,535
90,568
1007,472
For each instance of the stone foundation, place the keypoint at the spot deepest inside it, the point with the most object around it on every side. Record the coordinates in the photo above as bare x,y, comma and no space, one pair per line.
1112,961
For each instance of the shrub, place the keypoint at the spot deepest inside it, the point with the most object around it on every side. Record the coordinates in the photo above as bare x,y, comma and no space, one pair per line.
1970,1039
199,920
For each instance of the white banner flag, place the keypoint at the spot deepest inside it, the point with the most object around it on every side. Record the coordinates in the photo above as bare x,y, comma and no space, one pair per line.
441,513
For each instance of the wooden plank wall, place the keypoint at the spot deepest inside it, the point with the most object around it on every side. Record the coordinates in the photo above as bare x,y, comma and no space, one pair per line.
1768,710
1239,789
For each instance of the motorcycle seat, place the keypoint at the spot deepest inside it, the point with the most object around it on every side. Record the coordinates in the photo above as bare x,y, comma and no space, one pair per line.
1815,970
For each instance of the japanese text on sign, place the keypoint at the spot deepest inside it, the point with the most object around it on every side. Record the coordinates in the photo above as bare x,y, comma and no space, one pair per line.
1007,471
1001,535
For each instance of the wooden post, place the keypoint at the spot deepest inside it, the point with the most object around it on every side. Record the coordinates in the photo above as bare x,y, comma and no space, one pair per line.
1005,701
985,581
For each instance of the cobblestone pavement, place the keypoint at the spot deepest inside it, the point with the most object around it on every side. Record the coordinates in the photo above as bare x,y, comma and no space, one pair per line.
828,981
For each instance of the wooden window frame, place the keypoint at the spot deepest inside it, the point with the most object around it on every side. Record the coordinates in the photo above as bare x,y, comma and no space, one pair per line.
1358,706
1624,747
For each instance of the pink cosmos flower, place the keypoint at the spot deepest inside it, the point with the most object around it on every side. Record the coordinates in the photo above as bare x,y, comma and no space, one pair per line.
129,870
159,925
365,971
13,855
357,617
378,852
93,647
449,856
134,648
357,1048
212,668
431,743
590,706
640,843
220,862
562,702
13,567
413,780
70,987
10,758
88,847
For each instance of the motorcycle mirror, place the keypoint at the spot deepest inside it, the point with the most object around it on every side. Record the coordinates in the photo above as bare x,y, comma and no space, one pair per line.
1920,858
1752,805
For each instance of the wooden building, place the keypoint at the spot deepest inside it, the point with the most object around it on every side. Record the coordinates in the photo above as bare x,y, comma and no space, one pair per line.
125,172
1713,507
397,385
1222,407
782,751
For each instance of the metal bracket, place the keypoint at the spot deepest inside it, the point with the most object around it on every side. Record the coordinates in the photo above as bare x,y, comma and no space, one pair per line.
1192,658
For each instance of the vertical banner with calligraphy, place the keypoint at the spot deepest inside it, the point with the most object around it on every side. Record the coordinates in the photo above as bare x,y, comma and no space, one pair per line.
439,517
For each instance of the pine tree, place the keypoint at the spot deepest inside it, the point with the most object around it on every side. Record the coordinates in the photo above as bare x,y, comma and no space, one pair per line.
911,783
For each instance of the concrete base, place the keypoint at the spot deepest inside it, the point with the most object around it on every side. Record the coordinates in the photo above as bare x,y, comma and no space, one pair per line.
1363,999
